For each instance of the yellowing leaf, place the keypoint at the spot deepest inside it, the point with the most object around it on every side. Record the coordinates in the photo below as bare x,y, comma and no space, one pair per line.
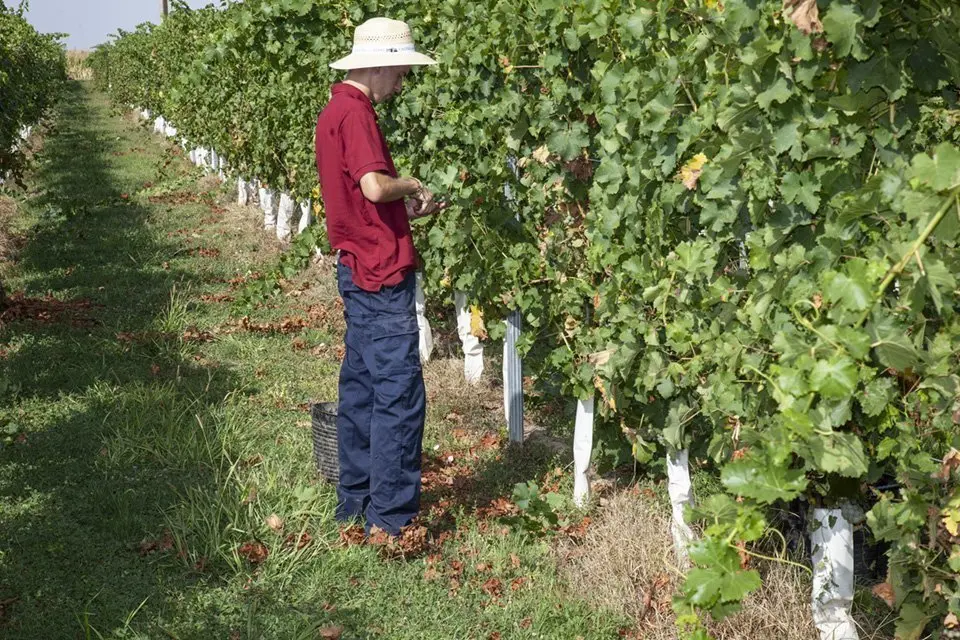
690,172
714,4
608,397
950,515
804,14
477,328
600,358
541,154
951,521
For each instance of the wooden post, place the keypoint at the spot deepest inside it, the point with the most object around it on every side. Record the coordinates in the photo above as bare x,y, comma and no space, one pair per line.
164,8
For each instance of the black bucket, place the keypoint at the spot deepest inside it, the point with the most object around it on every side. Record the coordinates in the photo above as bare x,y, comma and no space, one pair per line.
323,417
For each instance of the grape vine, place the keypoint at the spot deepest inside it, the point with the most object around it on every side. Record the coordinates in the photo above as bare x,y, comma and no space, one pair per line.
32,75
734,220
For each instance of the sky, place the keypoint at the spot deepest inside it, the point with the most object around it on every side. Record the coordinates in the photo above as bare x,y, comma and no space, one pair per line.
90,22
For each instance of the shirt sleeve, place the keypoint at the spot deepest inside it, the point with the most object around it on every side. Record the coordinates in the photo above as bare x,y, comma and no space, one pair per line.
362,149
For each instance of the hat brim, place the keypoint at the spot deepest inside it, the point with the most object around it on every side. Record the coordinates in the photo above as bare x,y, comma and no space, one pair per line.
373,60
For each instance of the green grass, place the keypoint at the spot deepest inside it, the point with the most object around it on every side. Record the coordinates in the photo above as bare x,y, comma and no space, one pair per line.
148,458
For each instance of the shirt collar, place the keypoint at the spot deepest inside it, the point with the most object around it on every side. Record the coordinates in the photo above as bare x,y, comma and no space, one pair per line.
350,91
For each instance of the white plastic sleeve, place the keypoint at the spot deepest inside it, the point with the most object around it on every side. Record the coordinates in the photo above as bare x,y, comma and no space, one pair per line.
832,543
284,216
242,194
681,495
472,347
306,215
269,206
426,335
582,449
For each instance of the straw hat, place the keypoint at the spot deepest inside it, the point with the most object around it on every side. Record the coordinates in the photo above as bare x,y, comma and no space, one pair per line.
381,42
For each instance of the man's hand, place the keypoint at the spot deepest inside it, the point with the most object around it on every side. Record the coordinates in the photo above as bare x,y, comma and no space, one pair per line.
419,209
423,203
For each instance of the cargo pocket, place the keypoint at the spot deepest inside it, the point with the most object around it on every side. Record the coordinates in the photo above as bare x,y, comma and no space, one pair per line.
395,341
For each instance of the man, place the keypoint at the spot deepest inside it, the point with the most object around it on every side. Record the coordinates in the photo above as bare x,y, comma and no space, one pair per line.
382,401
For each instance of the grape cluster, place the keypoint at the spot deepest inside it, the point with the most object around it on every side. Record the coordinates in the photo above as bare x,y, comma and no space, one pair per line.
853,512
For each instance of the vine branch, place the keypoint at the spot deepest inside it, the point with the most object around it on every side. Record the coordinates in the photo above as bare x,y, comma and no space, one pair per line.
898,268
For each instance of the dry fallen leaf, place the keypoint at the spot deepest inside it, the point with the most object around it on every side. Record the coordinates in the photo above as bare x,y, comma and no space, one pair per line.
884,591
951,621
298,541
275,522
951,462
493,587
254,552
330,632
804,14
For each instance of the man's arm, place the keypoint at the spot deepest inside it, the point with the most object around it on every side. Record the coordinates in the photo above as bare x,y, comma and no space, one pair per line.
379,187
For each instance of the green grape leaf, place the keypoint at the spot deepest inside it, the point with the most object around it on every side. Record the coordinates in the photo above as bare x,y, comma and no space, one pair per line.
911,622
834,378
570,142
801,188
840,453
751,479
896,352
840,24
718,577
939,172
778,92
877,395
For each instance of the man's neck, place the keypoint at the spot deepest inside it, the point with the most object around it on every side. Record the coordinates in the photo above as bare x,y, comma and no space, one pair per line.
359,85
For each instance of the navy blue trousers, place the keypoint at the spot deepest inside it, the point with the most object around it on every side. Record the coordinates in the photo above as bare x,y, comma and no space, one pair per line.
382,405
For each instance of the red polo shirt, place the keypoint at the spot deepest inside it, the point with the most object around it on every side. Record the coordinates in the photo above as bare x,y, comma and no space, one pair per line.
374,239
